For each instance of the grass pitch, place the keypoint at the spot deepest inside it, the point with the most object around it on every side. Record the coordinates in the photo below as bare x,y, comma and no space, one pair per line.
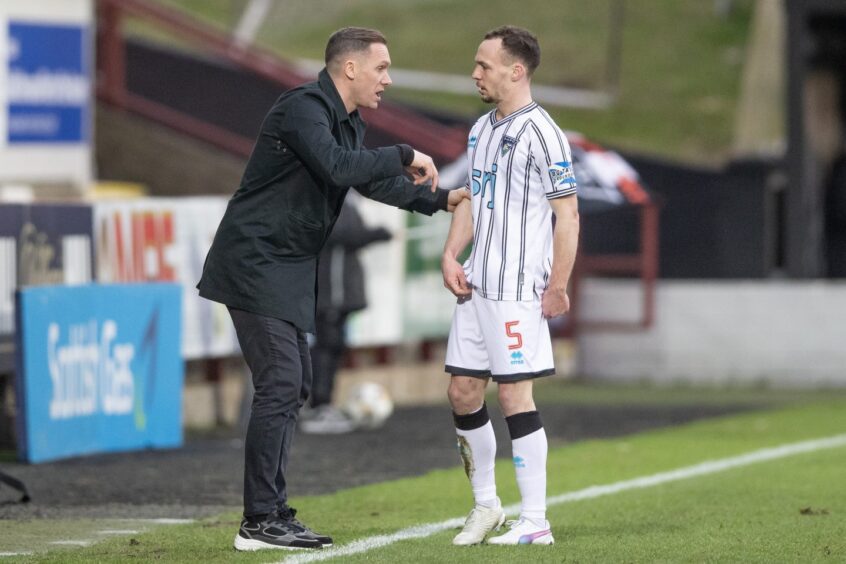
789,509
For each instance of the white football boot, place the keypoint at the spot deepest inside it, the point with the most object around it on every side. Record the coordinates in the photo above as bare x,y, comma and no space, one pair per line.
481,521
524,531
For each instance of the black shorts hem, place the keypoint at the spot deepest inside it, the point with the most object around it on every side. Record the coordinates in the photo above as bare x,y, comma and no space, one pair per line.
457,371
520,376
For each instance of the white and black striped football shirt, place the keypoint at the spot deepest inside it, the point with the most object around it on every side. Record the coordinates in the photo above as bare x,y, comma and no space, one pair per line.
515,165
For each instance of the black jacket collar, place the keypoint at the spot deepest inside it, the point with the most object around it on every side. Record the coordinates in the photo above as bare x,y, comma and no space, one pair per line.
328,86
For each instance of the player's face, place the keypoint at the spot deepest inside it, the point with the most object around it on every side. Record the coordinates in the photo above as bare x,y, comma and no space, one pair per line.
492,71
371,77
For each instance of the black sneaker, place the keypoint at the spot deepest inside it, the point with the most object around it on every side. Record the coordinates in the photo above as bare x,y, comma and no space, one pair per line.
288,515
272,532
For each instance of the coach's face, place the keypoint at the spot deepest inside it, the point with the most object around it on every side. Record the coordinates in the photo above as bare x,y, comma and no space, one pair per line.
493,71
371,76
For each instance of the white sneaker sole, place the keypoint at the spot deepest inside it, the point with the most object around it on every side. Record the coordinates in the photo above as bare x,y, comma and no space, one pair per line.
496,527
545,540
250,545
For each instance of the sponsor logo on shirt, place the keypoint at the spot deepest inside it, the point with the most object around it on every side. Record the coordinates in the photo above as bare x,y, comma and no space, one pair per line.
562,174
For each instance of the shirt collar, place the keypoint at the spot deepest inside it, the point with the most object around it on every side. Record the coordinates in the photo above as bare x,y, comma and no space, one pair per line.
529,107
328,86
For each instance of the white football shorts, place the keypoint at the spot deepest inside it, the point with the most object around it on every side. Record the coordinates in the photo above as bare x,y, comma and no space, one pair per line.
503,340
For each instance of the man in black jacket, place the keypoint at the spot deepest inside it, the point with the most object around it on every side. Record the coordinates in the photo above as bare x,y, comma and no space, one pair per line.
263,261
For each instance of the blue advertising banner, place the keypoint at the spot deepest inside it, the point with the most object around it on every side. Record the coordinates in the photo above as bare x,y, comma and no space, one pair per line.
99,369
48,83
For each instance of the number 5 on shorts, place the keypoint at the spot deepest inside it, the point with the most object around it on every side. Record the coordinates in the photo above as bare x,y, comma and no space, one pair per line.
513,335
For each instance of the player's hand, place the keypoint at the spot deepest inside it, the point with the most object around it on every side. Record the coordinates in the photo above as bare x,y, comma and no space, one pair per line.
454,279
456,197
555,302
422,169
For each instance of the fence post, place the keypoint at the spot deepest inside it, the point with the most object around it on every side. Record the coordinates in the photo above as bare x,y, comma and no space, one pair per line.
111,53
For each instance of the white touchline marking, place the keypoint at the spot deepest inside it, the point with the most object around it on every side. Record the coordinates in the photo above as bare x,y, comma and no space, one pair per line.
158,521
162,521
708,467
15,554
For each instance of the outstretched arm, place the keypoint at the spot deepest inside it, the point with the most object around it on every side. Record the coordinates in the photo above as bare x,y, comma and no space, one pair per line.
305,127
565,241
401,193
460,235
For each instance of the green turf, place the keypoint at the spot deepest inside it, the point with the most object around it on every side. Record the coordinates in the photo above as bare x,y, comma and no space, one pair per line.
680,69
555,391
21,535
745,514
752,514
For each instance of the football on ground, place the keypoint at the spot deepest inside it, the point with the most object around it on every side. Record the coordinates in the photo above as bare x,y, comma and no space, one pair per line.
369,405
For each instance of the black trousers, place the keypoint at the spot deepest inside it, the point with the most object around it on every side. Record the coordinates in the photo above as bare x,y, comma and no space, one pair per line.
327,353
278,357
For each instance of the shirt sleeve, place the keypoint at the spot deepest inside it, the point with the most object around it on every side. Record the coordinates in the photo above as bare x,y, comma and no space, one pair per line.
305,126
551,153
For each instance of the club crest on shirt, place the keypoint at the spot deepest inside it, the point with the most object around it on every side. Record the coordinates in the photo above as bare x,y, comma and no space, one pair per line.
507,144
562,173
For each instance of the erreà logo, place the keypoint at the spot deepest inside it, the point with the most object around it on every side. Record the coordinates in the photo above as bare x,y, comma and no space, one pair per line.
517,358
471,142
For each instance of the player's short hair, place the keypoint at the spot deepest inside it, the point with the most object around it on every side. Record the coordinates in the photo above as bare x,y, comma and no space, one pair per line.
351,40
519,43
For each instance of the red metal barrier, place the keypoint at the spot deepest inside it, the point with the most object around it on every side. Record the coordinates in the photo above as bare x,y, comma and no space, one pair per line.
643,264
441,142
